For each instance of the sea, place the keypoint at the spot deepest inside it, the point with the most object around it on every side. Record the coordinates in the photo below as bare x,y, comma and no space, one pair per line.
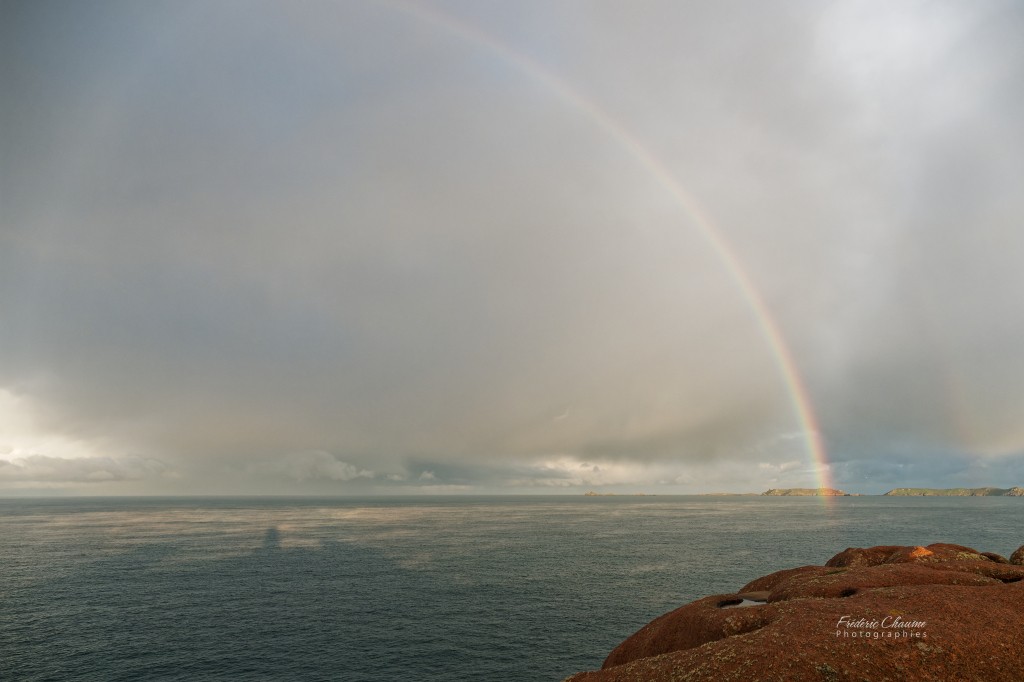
410,588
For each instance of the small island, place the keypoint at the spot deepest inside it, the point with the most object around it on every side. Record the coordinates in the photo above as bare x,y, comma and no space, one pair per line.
805,492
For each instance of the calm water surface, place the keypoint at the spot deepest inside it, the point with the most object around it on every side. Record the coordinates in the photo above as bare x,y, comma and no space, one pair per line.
514,588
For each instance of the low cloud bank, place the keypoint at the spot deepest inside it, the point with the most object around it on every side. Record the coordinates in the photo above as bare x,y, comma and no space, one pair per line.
47,469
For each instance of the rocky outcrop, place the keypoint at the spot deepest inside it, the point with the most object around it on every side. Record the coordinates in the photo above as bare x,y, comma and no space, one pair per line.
939,612
805,492
1015,492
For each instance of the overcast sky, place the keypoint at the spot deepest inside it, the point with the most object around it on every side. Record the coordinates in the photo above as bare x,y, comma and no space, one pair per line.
378,247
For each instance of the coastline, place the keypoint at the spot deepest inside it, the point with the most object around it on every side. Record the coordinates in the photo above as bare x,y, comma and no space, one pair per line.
883,611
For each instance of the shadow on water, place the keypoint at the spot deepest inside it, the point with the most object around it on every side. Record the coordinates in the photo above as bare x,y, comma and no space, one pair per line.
272,539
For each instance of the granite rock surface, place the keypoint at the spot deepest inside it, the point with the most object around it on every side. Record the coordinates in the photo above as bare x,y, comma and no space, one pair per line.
941,612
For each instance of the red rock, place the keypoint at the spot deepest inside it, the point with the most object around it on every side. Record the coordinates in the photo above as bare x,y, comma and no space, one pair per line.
856,556
939,552
689,626
773,580
846,583
958,614
998,558
1018,556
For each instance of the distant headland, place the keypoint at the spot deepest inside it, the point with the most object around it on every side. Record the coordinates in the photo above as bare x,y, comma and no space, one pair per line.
1016,491
957,492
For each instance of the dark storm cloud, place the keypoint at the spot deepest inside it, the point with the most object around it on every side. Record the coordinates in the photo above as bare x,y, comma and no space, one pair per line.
351,247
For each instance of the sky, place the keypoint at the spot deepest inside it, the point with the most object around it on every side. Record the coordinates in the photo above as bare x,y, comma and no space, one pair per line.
389,247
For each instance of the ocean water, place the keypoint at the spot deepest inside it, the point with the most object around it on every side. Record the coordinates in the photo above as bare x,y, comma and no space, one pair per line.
499,588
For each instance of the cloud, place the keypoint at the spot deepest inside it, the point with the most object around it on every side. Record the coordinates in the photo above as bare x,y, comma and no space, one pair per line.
312,465
379,242
46,469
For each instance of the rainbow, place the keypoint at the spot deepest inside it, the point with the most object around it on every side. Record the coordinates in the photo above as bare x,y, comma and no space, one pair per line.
803,410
